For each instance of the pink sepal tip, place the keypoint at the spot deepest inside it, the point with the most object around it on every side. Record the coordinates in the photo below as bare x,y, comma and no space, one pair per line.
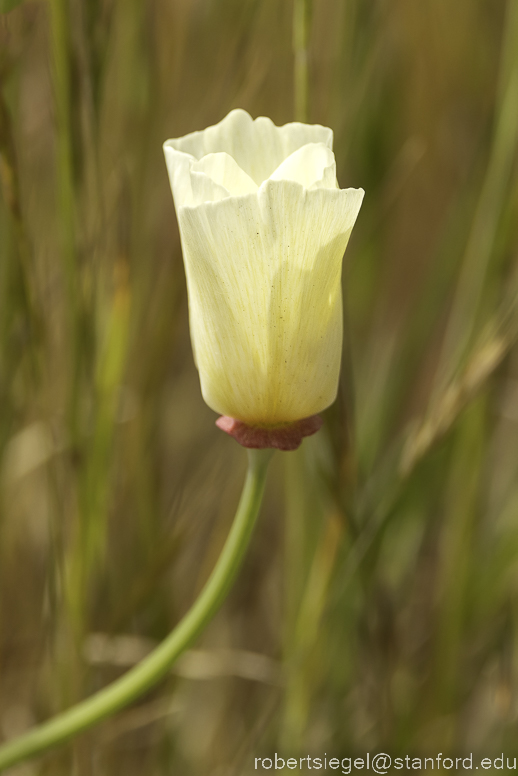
287,437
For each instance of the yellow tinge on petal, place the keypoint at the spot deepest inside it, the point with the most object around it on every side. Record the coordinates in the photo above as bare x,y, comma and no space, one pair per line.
263,265
224,171
313,166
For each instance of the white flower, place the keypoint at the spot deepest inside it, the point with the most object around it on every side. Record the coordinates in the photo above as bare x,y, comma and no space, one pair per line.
264,228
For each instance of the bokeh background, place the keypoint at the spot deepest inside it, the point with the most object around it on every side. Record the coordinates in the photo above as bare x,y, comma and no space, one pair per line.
377,609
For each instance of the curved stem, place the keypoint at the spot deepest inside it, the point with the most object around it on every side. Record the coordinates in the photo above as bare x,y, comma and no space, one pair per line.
147,673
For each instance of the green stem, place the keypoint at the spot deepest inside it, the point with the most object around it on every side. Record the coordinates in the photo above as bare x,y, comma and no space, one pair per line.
139,679
301,27
479,255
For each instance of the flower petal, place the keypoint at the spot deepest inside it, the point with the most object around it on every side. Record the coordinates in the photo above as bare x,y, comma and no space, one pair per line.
257,146
223,170
179,170
312,165
205,189
263,273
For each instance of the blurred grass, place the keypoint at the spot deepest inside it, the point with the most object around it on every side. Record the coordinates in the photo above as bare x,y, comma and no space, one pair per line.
383,577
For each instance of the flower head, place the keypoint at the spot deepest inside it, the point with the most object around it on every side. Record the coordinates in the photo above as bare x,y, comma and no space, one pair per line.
264,228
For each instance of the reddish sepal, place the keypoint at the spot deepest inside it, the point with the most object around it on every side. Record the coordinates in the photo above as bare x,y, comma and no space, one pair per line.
286,437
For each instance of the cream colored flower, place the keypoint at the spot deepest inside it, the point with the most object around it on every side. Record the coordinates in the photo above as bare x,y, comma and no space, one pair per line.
264,228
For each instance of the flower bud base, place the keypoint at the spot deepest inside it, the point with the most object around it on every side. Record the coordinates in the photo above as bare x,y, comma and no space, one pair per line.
283,437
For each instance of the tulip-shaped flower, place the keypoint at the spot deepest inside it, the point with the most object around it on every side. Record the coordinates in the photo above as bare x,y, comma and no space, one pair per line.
264,228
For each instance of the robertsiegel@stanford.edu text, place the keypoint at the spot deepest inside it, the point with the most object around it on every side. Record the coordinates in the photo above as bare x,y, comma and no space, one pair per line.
381,763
